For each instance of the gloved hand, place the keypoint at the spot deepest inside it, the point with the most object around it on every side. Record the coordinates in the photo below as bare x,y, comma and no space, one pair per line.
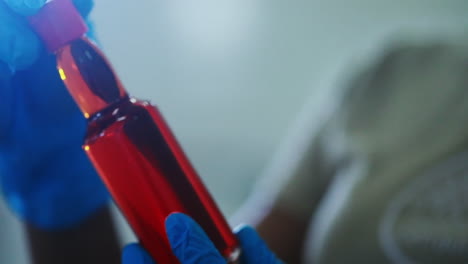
191,245
45,176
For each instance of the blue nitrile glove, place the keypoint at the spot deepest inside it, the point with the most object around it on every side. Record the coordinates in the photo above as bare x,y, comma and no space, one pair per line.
191,245
45,176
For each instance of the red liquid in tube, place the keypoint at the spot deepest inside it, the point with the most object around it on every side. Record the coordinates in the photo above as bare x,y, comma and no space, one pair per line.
137,156
129,143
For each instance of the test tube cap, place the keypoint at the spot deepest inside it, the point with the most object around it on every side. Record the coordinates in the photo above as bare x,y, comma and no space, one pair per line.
58,23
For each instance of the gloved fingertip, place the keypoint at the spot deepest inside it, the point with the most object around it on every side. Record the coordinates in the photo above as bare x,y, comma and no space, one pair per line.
179,225
25,7
135,254
254,249
178,221
247,235
189,242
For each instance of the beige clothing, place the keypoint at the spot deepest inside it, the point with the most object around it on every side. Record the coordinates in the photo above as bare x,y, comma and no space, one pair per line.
387,175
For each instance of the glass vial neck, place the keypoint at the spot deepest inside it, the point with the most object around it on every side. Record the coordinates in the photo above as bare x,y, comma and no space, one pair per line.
88,76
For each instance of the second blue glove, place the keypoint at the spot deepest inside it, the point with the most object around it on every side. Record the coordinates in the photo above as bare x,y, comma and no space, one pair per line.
191,245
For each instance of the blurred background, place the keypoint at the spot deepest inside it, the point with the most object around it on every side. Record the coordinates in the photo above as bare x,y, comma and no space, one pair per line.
231,76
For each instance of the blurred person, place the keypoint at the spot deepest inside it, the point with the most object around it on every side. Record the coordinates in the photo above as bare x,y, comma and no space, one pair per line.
381,173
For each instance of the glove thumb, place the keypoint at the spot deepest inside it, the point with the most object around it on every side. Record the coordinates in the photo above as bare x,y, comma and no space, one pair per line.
189,242
254,249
